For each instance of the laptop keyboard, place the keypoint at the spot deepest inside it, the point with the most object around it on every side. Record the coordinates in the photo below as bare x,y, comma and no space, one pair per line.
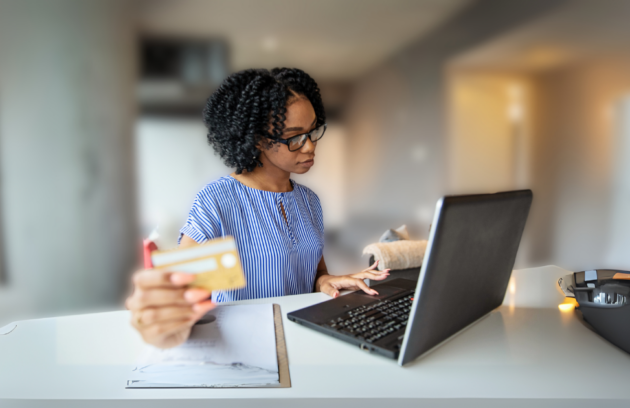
377,320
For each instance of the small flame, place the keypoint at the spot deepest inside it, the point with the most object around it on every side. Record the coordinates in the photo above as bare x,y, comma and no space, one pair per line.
512,286
568,305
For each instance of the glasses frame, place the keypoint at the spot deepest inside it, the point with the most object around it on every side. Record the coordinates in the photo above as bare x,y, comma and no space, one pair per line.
308,135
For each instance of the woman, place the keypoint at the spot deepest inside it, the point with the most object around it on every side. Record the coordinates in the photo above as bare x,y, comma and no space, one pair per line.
266,125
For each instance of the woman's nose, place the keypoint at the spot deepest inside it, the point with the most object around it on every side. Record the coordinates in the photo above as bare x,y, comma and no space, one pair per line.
309,146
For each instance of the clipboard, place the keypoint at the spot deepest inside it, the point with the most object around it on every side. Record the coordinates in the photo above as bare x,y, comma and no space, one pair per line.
284,378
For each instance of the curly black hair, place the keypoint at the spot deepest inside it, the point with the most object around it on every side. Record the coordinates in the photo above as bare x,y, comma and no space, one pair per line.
249,109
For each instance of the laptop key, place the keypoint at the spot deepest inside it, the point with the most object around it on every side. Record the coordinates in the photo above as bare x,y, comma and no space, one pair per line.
370,313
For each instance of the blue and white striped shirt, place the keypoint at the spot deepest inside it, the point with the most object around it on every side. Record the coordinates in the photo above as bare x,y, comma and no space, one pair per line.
279,256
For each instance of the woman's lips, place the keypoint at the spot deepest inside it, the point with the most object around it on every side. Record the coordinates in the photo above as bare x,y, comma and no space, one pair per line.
307,163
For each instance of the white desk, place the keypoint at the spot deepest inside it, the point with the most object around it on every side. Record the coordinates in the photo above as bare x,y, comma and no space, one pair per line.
515,357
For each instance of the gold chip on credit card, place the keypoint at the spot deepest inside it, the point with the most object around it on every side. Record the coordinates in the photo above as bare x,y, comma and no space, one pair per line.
216,264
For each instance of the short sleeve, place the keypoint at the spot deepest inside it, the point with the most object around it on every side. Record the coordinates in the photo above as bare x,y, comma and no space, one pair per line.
204,221
316,210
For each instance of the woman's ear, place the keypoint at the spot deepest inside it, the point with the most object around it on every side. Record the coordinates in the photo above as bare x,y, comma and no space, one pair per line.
264,145
259,149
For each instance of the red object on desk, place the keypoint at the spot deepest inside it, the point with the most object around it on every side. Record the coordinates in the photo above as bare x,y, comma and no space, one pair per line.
148,246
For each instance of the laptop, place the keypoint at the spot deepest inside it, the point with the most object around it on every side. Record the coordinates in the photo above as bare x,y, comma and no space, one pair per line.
466,269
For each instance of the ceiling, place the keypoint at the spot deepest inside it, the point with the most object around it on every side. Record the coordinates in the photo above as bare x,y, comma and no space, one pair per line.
577,30
335,40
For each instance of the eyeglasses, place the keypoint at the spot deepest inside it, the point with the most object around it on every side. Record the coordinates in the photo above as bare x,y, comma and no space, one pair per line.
296,142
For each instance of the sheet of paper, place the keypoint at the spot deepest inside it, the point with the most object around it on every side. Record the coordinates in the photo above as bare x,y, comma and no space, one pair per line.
234,347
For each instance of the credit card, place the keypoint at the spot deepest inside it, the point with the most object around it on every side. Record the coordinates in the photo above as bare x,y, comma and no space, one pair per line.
216,264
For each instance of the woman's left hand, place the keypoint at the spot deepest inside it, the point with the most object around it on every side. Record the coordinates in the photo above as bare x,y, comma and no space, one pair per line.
331,285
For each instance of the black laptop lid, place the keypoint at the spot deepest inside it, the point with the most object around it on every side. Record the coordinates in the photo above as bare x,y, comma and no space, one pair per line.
469,259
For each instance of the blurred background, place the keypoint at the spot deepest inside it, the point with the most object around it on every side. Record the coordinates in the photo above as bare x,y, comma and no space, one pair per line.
101,138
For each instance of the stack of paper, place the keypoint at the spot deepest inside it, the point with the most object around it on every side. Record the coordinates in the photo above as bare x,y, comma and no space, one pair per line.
234,346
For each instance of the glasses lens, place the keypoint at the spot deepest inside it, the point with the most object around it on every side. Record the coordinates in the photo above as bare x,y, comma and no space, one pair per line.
295,143
318,133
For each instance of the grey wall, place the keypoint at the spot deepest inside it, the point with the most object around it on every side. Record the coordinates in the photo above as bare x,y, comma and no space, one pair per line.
397,123
66,106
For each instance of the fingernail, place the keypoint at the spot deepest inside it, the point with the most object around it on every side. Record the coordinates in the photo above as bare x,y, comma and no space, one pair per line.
182,278
195,295
374,292
335,294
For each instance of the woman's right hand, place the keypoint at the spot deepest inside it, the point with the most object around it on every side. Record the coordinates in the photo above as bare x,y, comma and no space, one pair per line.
163,309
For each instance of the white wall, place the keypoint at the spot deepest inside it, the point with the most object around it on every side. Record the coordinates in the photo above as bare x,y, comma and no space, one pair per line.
174,162
327,178
488,132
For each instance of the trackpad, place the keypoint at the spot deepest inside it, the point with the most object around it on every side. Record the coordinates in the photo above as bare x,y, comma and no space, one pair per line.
383,290
323,312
